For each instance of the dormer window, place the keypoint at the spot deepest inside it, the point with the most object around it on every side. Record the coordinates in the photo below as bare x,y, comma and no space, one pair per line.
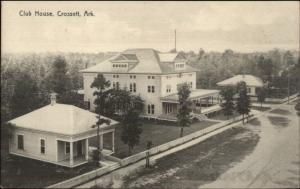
180,66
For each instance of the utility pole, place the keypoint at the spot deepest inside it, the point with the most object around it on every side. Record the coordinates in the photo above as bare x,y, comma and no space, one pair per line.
175,41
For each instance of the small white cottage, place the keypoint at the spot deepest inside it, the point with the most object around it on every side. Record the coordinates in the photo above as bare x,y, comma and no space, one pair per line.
57,133
252,83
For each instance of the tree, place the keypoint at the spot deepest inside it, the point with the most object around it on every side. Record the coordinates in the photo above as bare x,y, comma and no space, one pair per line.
100,121
100,84
227,93
59,81
261,95
25,96
183,116
131,129
243,101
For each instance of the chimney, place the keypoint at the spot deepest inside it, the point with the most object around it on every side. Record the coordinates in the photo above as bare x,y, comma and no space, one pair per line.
53,98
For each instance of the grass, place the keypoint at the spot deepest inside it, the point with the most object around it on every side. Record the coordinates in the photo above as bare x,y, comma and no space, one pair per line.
199,164
260,108
158,133
220,116
20,172
280,112
280,122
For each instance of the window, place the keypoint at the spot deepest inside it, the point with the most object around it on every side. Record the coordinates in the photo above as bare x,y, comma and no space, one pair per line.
132,87
168,88
20,142
116,85
43,146
151,89
151,108
191,85
132,76
248,90
153,77
149,77
67,147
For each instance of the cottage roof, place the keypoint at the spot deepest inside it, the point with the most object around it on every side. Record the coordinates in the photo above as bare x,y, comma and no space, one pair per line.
59,118
147,61
250,80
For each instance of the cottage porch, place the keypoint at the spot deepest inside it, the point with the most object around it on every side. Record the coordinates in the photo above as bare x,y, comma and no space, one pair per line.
75,153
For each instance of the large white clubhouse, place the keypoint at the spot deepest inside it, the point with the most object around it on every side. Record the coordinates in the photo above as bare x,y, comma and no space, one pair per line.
154,76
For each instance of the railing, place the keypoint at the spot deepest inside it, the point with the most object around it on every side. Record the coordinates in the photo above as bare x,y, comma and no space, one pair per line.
142,155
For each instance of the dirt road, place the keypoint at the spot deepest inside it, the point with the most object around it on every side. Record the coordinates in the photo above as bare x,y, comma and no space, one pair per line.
262,154
275,162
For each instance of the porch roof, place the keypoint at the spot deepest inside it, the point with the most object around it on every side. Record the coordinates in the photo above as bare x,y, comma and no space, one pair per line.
195,94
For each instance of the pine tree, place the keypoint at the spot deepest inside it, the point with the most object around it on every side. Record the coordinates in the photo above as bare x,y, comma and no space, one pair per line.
243,102
227,93
183,116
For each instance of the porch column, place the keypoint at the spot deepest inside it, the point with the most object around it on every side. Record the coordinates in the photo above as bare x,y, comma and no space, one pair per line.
101,141
71,154
113,141
87,149
200,105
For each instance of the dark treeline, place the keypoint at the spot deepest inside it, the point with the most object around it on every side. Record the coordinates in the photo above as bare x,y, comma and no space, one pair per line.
28,79
271,66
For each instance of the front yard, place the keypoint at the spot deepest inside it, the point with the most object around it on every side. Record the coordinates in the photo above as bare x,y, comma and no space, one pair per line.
158,133
19,172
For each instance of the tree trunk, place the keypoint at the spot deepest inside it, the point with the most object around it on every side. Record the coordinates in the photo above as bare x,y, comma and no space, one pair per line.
243,119
181,132
129,150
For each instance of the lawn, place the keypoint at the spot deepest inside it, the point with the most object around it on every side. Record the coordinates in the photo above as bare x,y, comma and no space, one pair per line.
158,133
19,172
220,116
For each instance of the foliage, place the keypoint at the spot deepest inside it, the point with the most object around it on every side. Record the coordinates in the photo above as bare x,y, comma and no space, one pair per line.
227,93
243,101
100,84
183,116
261,95
25,96
131,129
297,107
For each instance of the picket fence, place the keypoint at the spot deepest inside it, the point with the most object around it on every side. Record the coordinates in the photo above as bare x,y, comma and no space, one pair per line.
142,155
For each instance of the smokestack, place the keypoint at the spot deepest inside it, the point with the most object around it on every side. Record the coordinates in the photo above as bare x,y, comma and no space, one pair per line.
53,98
175,41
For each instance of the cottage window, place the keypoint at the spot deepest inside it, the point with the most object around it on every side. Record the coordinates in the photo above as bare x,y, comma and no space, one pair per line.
149,89
43,146
67,147
153,89
20,142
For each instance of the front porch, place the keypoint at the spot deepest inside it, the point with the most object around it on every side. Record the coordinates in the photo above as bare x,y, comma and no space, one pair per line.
75,153
203,101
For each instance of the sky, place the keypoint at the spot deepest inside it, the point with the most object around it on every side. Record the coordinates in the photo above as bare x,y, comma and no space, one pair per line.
116,26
